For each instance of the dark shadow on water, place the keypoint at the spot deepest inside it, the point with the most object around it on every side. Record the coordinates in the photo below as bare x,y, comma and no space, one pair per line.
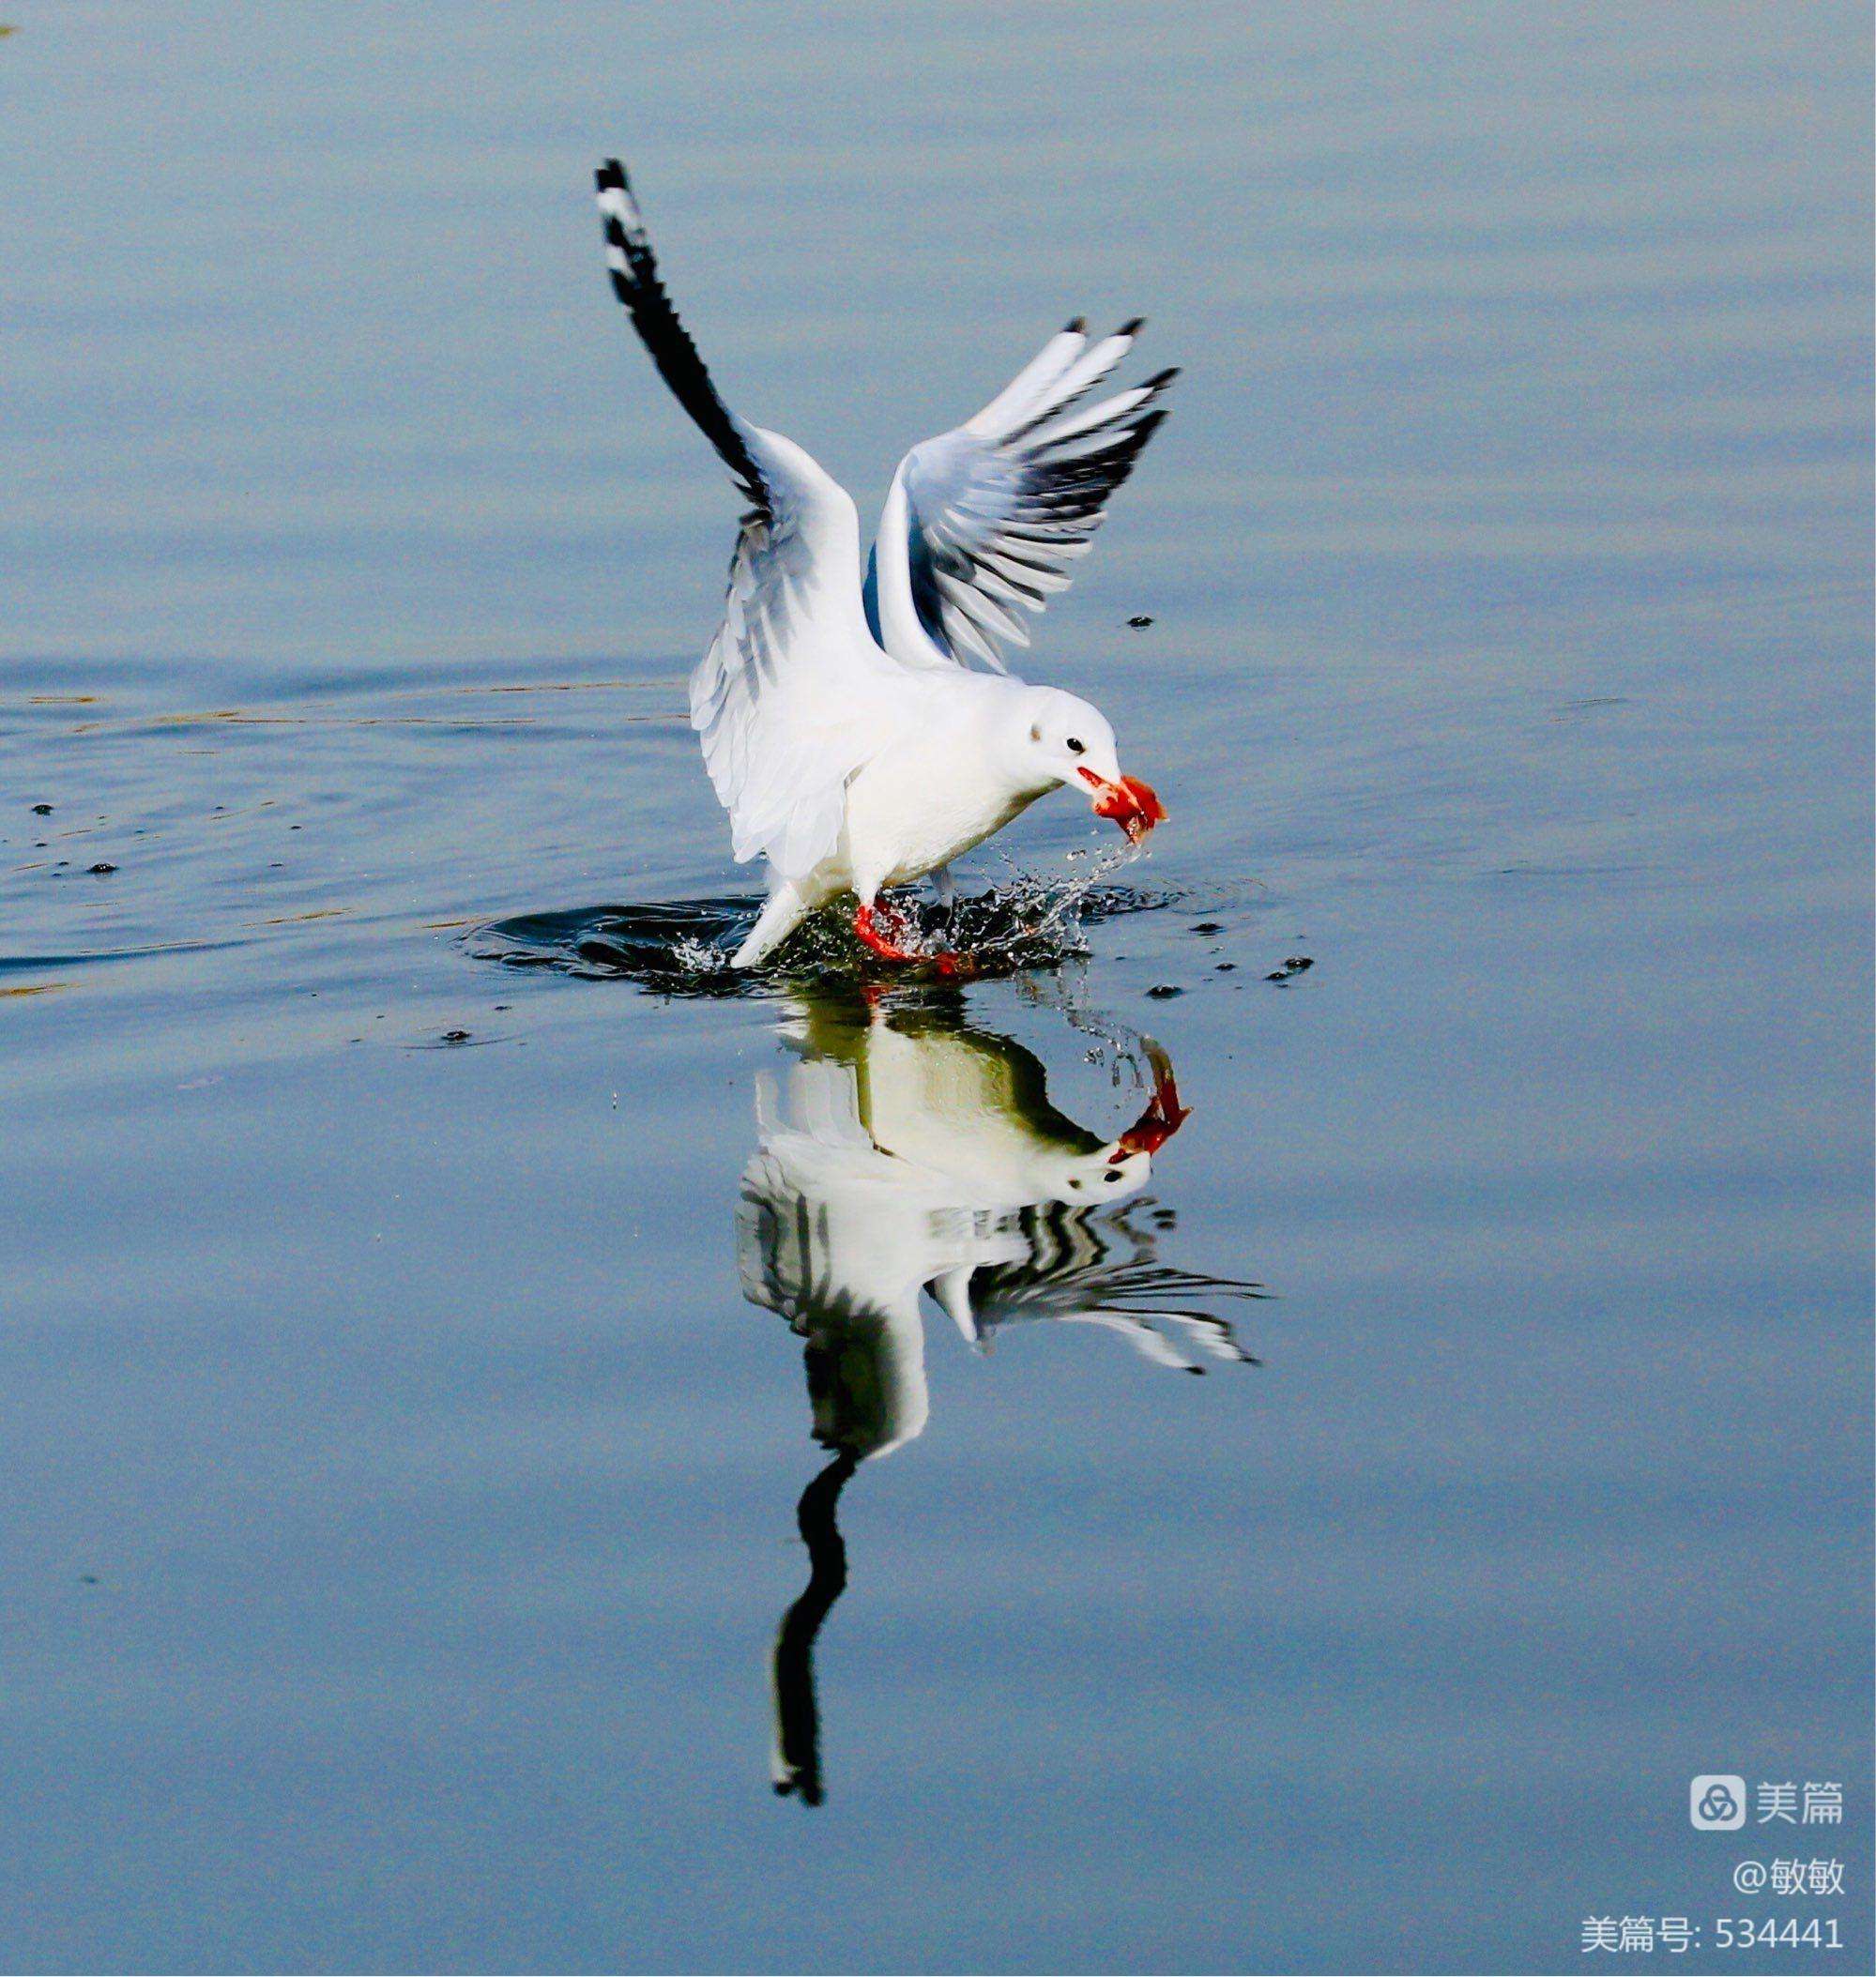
681,947
668,945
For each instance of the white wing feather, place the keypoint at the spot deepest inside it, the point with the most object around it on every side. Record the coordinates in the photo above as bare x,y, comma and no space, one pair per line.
794,695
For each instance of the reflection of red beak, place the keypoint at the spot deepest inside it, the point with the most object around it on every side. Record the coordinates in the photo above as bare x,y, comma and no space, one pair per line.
1129,802
1162,1117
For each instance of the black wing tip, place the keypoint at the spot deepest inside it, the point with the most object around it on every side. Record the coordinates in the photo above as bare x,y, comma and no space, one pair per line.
1075,326
1132,326
1161,379
611,177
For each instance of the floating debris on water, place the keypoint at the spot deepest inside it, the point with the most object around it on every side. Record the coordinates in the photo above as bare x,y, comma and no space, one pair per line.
1292,968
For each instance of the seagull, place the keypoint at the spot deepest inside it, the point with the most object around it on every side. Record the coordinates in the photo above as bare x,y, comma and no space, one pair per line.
846,726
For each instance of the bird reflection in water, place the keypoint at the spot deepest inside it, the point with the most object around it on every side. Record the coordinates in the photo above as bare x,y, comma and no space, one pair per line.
909,1152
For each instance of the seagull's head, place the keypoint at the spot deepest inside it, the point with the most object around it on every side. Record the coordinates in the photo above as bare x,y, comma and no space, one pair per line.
1067,741
1086,1180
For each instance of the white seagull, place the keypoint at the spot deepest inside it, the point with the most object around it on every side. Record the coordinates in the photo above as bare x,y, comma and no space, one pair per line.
844,730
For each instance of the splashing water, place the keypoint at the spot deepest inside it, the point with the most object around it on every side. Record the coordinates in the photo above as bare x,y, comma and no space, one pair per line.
1027,920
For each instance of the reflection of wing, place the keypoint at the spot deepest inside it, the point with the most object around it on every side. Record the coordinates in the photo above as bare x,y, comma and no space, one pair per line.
988,517
794,695
1084,1269
795,1763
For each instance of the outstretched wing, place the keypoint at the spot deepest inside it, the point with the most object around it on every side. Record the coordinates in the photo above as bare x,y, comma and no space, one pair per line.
794,694
989,517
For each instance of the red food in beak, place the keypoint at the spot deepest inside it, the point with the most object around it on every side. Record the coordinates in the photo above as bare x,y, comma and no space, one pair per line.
1129,802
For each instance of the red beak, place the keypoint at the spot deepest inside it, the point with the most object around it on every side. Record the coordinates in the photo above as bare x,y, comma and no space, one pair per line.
1129,802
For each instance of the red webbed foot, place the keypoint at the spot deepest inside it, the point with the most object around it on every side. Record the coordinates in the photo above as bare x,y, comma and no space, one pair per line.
878,928
884,929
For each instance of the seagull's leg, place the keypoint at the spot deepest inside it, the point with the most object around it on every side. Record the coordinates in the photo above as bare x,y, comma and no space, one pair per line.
945,885
788,906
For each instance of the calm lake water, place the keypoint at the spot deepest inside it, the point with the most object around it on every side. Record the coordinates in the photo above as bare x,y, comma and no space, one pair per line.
450,1485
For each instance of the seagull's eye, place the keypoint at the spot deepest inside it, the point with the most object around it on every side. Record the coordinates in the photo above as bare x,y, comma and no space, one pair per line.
1077,747
1112,1174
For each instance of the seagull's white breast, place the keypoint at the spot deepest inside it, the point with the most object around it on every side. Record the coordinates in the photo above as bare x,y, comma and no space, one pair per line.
932,793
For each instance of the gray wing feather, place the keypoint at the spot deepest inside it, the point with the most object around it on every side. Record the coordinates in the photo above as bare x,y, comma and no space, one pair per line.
984,523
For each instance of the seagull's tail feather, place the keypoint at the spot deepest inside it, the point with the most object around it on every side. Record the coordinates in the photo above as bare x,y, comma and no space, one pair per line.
635,281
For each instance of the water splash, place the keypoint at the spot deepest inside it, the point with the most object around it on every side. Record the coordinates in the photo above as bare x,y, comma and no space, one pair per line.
1027,921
